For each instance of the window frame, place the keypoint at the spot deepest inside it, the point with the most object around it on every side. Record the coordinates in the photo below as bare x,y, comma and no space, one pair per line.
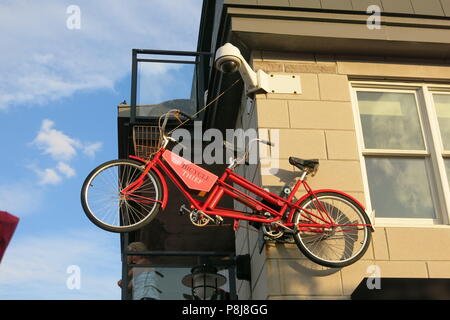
433,153
432,91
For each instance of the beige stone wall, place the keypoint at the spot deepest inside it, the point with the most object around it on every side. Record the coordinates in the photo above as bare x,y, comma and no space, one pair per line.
319,123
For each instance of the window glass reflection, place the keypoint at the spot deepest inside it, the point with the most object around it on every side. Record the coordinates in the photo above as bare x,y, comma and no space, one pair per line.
442,104
399,187
390,121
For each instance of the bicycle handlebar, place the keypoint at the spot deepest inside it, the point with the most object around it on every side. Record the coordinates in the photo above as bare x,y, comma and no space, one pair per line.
178,112
244,158
162,127
267,142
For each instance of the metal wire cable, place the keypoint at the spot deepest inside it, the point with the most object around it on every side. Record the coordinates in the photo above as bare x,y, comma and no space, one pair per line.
202,109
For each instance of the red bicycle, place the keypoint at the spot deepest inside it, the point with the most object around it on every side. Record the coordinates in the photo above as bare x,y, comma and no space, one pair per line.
329,227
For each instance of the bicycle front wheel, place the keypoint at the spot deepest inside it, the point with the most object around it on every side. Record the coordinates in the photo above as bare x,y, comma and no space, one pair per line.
337,246
113,210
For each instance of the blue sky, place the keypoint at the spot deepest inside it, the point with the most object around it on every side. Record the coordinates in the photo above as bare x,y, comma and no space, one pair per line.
59,89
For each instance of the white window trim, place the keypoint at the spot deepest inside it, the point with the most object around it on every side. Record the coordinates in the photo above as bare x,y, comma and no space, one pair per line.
433,149
435,123
440,152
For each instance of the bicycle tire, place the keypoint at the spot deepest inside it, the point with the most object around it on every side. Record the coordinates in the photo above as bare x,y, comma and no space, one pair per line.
129,213
316,250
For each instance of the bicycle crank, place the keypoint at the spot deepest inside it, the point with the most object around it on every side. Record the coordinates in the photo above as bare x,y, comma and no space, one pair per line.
199,218
272,231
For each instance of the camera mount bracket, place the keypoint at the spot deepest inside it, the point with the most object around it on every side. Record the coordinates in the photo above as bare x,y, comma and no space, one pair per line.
276,83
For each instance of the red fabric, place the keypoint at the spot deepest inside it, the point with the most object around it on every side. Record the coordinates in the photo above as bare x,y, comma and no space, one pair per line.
8,224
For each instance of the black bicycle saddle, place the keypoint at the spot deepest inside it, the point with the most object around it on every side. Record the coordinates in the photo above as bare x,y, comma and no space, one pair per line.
304,164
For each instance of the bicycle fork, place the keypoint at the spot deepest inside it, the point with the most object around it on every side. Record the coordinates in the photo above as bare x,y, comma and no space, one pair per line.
129,190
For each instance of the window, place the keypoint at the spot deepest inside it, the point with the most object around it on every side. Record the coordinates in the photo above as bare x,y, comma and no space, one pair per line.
406,161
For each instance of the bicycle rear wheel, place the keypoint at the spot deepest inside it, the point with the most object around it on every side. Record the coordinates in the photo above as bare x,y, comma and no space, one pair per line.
340,245
109,209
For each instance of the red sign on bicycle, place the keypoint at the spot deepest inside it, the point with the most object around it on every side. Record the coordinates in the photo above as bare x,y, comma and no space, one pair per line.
193,176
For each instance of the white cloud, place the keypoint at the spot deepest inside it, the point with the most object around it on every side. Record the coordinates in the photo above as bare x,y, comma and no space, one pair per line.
35,266
55,142
61,148
48,176
46,61
65,169
90,149
59,145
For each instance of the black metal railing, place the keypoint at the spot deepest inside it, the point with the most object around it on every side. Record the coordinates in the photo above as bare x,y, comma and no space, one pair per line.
201,63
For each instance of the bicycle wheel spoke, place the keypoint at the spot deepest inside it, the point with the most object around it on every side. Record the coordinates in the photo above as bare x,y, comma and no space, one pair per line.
108,209
105,203
109,182
338,243
134,212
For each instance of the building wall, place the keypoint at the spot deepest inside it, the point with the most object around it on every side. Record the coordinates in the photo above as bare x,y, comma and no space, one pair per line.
419,7
247,237
320,123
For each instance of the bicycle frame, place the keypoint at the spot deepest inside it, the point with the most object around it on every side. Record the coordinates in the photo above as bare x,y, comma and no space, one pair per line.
284,207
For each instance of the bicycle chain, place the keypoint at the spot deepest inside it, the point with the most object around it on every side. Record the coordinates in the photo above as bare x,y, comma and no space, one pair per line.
285,238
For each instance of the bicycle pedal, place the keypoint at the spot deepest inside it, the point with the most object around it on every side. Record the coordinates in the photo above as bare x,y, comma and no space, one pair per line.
183,210
219,220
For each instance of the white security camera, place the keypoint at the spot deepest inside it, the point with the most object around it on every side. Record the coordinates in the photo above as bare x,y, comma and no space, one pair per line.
229,59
